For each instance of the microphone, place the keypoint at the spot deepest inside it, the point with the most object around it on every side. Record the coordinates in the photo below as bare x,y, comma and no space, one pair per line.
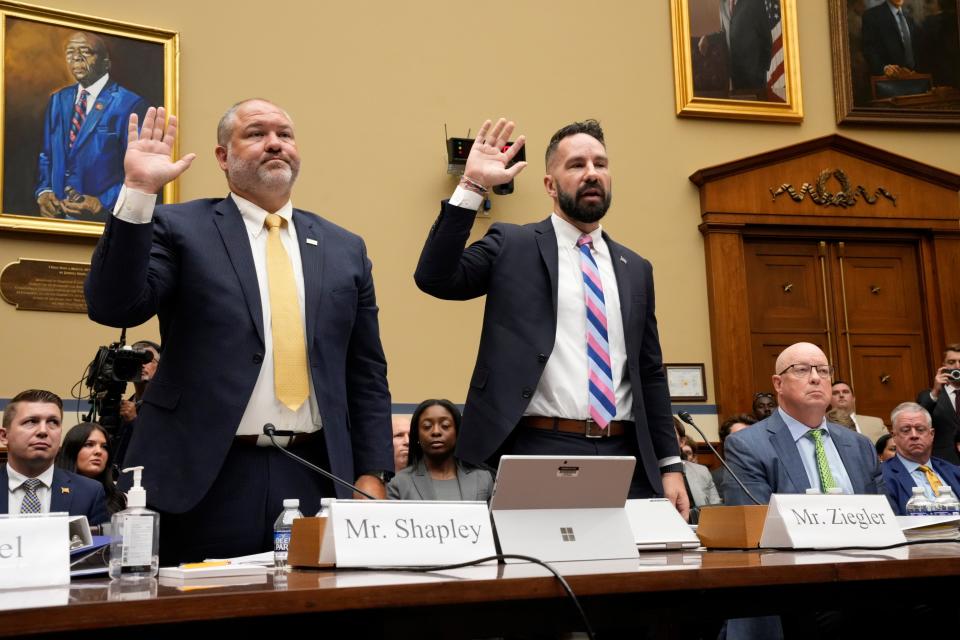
270,431
686,417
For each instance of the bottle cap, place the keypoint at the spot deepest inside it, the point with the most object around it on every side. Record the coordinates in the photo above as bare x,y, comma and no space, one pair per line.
813,492
291,503
137,496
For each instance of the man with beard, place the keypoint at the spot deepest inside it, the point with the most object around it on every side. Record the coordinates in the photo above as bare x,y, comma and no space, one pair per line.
267,315
80,167
569,360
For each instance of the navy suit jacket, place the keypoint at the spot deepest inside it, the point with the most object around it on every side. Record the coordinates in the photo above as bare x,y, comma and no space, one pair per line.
193,267
70,492
899,483
946,422
94,165
515,266
766,459
882,44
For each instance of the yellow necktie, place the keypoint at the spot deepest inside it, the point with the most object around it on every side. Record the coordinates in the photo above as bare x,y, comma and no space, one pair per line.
934,481
286,325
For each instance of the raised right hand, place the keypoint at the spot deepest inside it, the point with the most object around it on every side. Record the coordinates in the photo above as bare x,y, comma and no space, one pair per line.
487,162
147,164
939,381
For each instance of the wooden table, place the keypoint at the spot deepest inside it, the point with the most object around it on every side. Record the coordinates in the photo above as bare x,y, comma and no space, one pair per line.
677,591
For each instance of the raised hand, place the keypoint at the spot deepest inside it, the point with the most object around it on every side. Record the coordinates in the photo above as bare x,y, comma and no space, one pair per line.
148,164
487,162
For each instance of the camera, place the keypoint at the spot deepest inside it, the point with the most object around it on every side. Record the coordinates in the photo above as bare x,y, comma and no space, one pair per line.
109,372
954,374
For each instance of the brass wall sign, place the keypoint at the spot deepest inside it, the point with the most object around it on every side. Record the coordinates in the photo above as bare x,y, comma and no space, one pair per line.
846,197
45,285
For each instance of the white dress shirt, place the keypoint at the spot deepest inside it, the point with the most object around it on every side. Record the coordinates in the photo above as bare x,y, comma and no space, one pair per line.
16,492
263,405
93,91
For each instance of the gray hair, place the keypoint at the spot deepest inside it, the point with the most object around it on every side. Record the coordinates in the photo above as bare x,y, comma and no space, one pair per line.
229,119
909,407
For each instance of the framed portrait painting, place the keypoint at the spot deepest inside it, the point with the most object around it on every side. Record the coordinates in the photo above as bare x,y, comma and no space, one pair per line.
736,59
69,85
896,62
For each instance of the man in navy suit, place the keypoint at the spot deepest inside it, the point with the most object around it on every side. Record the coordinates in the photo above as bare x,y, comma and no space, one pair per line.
31,429
80,169
942,401
569,361
780,454
890,38
914,464
226,295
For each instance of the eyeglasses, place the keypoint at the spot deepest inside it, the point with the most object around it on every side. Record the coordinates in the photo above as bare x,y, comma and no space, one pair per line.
921,430
803,370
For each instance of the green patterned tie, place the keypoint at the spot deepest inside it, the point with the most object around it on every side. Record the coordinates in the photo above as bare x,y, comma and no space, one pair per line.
823,467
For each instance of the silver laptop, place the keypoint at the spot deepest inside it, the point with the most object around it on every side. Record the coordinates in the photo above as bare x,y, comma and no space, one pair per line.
557,508
657,525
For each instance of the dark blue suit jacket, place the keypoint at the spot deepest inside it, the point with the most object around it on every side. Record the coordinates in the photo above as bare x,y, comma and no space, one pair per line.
946,422
94,166
882,44
70,492
193,267
899,483
515,266
767,460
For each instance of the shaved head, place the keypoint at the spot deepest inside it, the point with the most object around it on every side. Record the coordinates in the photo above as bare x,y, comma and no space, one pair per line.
799,352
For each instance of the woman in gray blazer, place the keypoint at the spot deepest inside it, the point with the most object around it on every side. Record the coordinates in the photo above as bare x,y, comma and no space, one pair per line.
434,473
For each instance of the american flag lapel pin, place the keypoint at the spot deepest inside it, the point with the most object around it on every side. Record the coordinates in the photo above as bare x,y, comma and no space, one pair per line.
623,260
64,490
311,241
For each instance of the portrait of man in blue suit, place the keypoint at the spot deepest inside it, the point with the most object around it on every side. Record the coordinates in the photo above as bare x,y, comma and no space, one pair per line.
80,165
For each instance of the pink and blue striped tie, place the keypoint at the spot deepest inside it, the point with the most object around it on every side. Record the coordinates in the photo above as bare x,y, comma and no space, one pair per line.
603,404
79,115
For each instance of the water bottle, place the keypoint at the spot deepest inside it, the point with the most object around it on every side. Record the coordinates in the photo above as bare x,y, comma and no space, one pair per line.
946,502
281,531
918,505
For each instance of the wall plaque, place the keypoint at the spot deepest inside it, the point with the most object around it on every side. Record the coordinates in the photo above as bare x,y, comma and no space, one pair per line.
45,285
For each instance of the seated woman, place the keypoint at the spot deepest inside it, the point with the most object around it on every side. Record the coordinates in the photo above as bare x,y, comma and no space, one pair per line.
886,447
434,473
84,451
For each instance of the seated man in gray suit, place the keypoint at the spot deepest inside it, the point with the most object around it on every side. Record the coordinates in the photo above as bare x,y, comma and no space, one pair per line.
796,448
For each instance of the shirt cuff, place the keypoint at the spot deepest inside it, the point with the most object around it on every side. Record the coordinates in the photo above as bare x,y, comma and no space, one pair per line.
665,462
134,206
466,199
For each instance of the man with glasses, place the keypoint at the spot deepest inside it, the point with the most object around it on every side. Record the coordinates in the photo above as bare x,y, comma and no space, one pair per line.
914,464
796,448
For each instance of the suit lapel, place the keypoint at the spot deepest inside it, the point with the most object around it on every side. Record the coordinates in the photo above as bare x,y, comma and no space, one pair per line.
61,496
422,482
311,258
847,448
783,443
5,500
468,484
547,242
621,269
237,243
902,476
102,103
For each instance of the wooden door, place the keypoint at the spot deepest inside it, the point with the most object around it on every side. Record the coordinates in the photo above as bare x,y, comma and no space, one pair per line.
859,301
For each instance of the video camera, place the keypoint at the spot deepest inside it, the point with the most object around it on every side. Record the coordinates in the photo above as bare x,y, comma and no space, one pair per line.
112,368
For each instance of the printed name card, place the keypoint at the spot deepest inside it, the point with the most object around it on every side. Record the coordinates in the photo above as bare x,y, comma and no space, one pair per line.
824,521
34,551
407,533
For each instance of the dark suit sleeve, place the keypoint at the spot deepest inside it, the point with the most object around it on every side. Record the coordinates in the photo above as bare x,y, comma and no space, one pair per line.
447,269
744,462
133,269
97,513
925,400
368,396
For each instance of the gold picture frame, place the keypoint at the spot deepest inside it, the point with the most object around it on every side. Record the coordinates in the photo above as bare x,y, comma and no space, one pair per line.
710,82
926,95
61,172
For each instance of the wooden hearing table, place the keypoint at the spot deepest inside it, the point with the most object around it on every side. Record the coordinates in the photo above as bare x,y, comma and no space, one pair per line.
662,589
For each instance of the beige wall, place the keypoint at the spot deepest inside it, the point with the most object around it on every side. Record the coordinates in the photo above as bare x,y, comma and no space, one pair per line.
371,84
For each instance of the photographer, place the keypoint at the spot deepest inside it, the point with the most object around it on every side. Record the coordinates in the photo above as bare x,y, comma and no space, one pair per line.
128,407
943,403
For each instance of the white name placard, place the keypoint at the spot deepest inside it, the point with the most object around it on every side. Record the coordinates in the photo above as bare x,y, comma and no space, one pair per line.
400,533
824,521
34,551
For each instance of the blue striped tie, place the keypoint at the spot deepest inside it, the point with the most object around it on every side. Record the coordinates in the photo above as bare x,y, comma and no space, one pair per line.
79,115
603,404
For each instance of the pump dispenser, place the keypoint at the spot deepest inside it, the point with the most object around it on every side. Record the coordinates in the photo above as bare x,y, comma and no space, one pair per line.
136,535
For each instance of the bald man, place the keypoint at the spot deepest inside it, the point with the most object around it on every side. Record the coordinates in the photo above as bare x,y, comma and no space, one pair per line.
779,454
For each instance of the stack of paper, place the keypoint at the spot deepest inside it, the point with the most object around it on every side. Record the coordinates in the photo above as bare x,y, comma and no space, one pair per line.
930,527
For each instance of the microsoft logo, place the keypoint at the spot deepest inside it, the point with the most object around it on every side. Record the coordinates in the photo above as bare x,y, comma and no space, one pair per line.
567,534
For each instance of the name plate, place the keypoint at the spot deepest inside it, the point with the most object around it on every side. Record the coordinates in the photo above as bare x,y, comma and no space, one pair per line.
408,533
34,551
824,521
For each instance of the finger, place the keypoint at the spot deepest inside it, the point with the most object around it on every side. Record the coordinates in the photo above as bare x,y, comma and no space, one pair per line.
494,134
515,169
483,131
132,130
514,149
148,121
504,135
183,164
171,133
156,133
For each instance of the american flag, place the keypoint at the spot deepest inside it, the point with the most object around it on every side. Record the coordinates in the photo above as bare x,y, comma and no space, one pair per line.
776,83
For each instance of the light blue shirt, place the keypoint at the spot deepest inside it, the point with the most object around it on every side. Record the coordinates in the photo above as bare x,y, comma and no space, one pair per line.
808,453
919,477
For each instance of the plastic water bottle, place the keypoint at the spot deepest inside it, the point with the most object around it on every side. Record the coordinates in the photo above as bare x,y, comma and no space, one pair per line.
946,503
281,531
918,505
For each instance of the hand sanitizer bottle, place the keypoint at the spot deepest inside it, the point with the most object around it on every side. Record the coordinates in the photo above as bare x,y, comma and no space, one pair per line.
136,536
